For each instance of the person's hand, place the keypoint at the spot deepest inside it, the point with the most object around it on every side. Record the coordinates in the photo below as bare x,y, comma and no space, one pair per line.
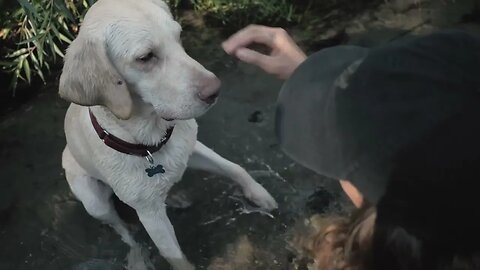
285,55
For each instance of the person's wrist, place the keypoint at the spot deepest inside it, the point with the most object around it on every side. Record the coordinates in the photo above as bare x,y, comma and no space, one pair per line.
298,61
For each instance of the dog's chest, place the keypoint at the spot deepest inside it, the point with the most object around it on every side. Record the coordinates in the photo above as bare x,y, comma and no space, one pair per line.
129,175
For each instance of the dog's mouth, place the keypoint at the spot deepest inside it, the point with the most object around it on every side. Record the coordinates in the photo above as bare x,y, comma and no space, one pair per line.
205,107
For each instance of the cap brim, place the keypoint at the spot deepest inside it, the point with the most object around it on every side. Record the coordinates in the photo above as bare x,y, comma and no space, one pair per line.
306,109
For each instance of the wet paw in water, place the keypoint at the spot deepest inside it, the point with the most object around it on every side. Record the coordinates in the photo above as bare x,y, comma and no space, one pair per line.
139,259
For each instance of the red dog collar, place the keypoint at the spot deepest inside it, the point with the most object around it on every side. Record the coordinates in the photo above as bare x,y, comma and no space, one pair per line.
122,146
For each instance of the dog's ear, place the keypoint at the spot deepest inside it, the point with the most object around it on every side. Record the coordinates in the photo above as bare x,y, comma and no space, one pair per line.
88,78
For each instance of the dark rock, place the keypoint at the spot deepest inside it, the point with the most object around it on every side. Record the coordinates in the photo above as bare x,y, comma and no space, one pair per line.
256,117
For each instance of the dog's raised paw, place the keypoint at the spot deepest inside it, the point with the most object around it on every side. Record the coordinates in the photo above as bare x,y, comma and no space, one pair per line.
260,196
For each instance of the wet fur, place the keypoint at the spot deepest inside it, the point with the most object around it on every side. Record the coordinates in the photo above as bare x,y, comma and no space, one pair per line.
131,99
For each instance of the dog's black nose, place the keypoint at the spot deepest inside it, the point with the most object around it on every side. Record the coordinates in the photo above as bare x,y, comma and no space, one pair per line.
210,90
211,99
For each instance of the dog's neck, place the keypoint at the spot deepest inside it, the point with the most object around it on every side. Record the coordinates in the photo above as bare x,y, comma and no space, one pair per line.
143,127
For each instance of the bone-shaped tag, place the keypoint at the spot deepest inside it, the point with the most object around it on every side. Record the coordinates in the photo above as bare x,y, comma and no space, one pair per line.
154,170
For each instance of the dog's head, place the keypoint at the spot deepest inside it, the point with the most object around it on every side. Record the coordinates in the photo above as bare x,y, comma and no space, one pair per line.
129,50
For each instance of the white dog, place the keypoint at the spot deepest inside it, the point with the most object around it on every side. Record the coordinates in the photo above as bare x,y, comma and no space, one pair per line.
130,128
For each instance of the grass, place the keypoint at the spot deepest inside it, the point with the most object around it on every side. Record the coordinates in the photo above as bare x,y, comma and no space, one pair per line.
236,14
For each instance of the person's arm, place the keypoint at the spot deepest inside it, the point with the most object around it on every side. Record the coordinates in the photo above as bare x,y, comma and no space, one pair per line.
284,58
285,55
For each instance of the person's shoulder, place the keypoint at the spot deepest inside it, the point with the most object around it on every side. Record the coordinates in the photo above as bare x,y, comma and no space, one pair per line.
451,35
433,55
451,39
445,42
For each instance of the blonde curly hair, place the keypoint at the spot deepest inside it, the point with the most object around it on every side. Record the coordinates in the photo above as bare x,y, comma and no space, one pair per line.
336,242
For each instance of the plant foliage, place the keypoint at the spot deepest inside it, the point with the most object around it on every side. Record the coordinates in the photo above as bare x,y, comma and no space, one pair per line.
35,33
242,12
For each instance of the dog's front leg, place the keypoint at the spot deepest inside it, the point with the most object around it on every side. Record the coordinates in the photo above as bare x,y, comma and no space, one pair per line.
203,158
158,226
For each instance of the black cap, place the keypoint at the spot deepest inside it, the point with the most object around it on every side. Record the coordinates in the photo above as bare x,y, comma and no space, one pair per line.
401,122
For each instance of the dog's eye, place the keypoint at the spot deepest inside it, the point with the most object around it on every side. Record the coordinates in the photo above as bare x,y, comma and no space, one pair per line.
147,57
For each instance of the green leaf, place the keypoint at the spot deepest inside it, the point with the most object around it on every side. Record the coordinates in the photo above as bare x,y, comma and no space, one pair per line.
52,47
60,36
60,4
13,83
17,53
20,64
40,52
65,39
34,59
27,6
34,26
55,30
47,15
67,32
19,13
27,71
28,34
31,40
72,7
58,51
40,73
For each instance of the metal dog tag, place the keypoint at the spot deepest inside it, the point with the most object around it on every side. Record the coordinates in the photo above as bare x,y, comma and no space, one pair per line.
153,169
